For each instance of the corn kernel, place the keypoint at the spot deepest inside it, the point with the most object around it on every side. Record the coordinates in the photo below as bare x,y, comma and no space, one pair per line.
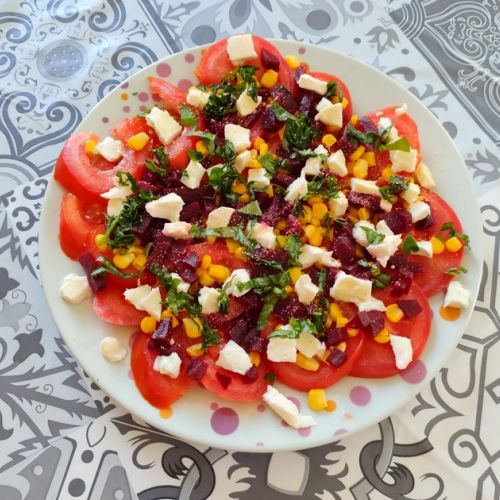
453,244
90,149
316,399
138,141
319,210
315,199
253,153
393,313
239,188
258,142
345,103
364,213
354,119
211,239
342,346
264,149
317,238
123,261
206,261
334,311
167,313
315,222
292,61
254,358
288,289
191,328
310,231
194,350
232,246
295,273
136,249
219,272
309,364
254,164
201,148
281,225
356,154
148,324
369,156
244,198
306,215
269,78
352,332
330,406
239,254
328,322
328,140
140,262
205,279
341,321
387,173
102,247
281,239
437,245
382,337
360,169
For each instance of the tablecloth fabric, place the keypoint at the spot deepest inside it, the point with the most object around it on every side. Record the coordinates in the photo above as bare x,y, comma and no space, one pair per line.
60,436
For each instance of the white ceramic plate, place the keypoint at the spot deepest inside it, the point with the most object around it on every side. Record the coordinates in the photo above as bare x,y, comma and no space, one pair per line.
200,416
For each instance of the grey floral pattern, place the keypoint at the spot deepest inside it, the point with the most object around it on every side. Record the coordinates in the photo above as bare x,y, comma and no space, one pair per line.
61,436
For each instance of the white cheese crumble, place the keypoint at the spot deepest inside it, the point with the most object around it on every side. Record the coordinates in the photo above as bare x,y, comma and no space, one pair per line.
192,175
411,194
296,190
424,176
242,161
424,249
240,48
456,296
111,350
135,295
365,187
338,205
167,207
151,303
115,206
419,210
231,284
208,299
258,178
403,351
178,230
110,149
403,161
282,349
329,113
163,124
336,163
234,358
384,250
310,255
309,82
348,288
197,98
75,289
239,136
245,105
219,217
310,346
401,110
264,235
182,286
168,365
305,289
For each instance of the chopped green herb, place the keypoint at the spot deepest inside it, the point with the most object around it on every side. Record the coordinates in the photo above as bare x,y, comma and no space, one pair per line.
195,156
299,132
334,89
162,162
207,137
380,279
222,101
246,80
402,144
209,336
455,270
271,164
233,232
396,185
270,377
293,246
449,226
410,245
372,236
295,328
379,141
322,185
265,284
188,117
252,208
281,113
108,267
268,307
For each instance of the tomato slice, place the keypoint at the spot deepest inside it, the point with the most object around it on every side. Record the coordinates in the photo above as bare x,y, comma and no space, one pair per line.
87,178
76,222
110,305
432,279
327,374
215,63
237,390
159,390
326,77
377,360
219,253
170,95
178,150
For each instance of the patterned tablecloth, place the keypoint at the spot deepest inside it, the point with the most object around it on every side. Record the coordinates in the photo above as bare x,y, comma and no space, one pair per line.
60,436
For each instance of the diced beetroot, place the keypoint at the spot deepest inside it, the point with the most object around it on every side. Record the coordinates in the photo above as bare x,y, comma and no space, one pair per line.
308,102
288,308
366,125
282,179
264,200
283,97
269,121
359,200
208,206
370,321
269,61
89,264
411,308
189,195
238,218
331,275
161,249
239,330
197,369
336,335
188,274
250,376
223,379
160,340
154,188
257,344
191,212
293,226
427,223
343,248
358,271
249,120
346,145
398,220
337,358
401,283
277,255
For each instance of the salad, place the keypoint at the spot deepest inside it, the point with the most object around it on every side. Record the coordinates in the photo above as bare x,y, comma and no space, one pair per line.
254,229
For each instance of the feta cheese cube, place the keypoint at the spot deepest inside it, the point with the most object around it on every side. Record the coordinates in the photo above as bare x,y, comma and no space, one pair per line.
286,409
182,286
245,105
163,124
348,288
110,149
309,82
151,303
310,255
136,295
240,48
359,234
424,176
401,110
338,205
296,190
419,211
385,205
117,191
456,296
384,250
385,123
336,163
231,284
403,350
383,228
372,304
309,345
312,166
305,289
111,350
403,161
168,365
239,136
219,217
329,113
114,207
167,207
234,358
365,187
208,299
197,98
425,249
75,289
264,235
242,160
258,178
411,194
178,230
192,175
282,350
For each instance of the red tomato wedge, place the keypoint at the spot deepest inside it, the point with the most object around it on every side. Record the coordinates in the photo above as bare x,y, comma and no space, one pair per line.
219,253
215,63
327,374
88,177
178,150
110,305
159,390
170,95
377,360
75,224
129,127
237,390
326,77
433,278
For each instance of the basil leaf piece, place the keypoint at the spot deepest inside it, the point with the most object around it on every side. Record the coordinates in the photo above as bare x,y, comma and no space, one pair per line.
209,336
449,226
372,236
281,113
295,328
396,185
109,267
410,245
207,137
188,117
252,208
402,144
455,270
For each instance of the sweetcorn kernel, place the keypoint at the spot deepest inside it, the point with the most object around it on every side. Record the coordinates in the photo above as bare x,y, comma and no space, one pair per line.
315,221
382,337
123,261
90,149
352,332
140,262
240,253
345,103
244,198
387,173
206,261
269,78
342,321
310,231
232,246
258,142
369,156
360,169
453,244
254,358
148,324
316,399
288,288
219,272
167,313
315,199
317,238
102,247
201,148
364,213
295,273
269,191
239,188
194,350
138,141
393,313
319,210
334,311
328,140
205,279
309,364
437,245
356,154
354,119
292,61
331,405
191,328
